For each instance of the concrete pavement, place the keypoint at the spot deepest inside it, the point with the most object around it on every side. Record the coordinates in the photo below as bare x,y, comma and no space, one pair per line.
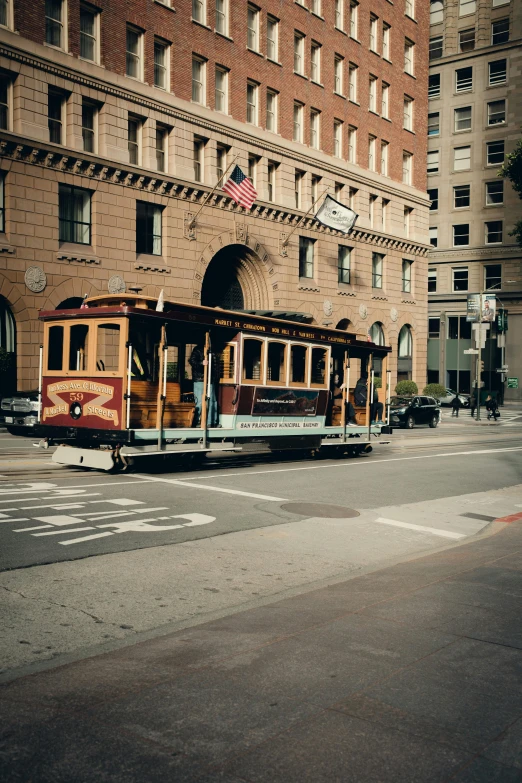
409,673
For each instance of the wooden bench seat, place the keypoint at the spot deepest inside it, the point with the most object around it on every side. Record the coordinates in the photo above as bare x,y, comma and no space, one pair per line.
144,406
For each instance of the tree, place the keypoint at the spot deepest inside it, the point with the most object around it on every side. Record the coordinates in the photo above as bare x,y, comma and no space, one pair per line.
512,170
435,390
407,388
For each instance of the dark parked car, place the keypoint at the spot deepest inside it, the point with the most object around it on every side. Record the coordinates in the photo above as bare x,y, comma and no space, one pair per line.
20,412
409,411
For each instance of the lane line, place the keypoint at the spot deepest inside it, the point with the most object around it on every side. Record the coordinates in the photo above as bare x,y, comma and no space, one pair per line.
84,538
25,529
105,514
20,519
213,489
60,532
420,528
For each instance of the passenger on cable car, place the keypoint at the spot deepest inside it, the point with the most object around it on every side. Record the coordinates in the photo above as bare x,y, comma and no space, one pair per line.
336,389
197,362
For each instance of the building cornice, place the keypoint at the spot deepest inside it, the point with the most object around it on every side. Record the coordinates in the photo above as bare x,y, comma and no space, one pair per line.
474,255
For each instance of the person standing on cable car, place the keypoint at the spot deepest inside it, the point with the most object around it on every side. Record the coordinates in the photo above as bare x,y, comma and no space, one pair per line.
197,362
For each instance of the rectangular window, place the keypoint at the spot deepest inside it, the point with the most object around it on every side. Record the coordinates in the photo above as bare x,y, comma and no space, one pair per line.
493,277
495,192
433,236
344,255
352,197
352,144
4,102
75,214
385,92
460,278
408,211
436,12
299,41
433,195
354,20
221,161
89,112
272,33
54,23
252,102
386,48
271,111
316,182
339,14
433,161
199,11
384,158
161,63
253,28
461,158
463,118
198,80
434,124
352,74
461,237
406,275
316,7
494,232
338,138
253,162
408,113
133,139
497,72
432,281
298,365
371,153
496,112
373,93
409,8
306,257
385,213
199,160
373,33
339,191
148,228
271,180
133,54
4,13
467,40
377,270
406,167
221,90
433,324
88,33
298,188
162,136
55,116
495,153
467,7
371,209
338,74
55,349
298,122
276,363
222,17
463,79
434,85
461,196
500,32
408,56
315,120
2,204
436,47
108,348
315,62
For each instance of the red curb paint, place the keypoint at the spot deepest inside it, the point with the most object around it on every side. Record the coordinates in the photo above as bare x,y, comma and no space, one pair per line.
510,519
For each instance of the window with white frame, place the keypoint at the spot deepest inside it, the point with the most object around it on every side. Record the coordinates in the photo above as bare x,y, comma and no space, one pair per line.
316,8
408,211
434,123
199,159
461,158
371,152
56,116
89,118
377,269
221,89
161,64
222,16
372,104
433,242
221,161
463,118
162,136
339,191
134,53
407,267
55,23
464,79
496,112
408,113
371,209
467,7
272,38
493,232
75,214
2,204
466,40
433,161
461,196
306,257
385,100
497,71
499,32
434,85
352,197
315,62
315,184
408,56
496,3
199,11
433,195
339,14
406,167
298,122
315,120
338,74
271,180
352,76
298,188
495,153
252,102
376,334
338,138
352,144
460,278
385,213
89,32
253,163
5,88
432,280
299,41
198,80
5,21
461,234
493,277
344,260
354,20
384,158
436,12
253,27
495,192
436,47
386,45
148,228
134,139
271,110
409,8
374,23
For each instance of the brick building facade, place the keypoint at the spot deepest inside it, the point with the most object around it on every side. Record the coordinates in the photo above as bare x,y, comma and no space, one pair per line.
117,118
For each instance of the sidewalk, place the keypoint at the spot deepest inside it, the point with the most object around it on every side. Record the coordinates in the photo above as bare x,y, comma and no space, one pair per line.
411,673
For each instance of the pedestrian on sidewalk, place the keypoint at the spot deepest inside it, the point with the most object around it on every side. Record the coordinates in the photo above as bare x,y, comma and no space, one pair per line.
473,402
492,407
456,405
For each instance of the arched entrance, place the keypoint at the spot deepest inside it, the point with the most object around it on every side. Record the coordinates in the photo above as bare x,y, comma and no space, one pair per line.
344,323
7,349
73,303
234,279
405,354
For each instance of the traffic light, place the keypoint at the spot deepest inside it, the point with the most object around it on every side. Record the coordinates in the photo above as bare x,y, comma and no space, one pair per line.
481,365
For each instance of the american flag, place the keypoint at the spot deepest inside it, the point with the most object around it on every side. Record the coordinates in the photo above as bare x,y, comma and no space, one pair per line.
240,188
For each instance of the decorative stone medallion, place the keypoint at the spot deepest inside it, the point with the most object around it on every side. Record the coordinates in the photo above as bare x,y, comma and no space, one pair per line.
363,311
35,279
394,314
116,285
327,307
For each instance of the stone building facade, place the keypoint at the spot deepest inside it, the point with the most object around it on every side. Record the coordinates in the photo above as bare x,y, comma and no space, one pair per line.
118,118
474,121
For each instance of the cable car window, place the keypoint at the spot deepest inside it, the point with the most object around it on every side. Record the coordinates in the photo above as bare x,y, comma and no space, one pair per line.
172,358
298,362
108,348
319,359
276,363
79,347
227,364
55,350
252,360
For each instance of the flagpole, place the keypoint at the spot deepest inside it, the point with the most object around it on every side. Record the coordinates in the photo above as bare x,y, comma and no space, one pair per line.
284,244
202,207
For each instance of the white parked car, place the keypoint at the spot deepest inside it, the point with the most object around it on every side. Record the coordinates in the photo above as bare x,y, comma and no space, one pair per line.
450,396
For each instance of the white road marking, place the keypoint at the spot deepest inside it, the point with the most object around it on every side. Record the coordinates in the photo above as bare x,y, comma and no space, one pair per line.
20,519
60,521
420,528
105,514
25,529
60,505
123,502
84,538
62,532
213,489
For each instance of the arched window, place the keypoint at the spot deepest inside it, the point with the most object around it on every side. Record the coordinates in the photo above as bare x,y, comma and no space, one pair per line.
404,360
344,323
376,333
436,11
73,303
7,328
